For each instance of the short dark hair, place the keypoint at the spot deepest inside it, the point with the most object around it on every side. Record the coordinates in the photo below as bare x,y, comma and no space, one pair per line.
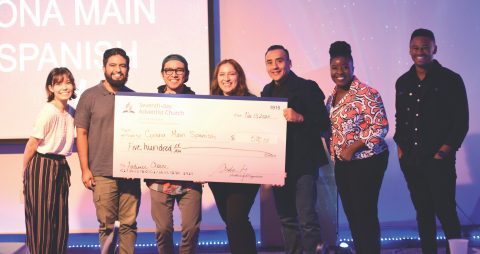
424,33
56,76
340,48
178,58
115,51
273,47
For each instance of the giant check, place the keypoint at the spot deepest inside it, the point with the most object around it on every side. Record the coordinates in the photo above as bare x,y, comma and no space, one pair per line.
200,138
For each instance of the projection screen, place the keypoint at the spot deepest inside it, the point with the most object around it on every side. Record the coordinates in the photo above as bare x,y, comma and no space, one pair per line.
38,35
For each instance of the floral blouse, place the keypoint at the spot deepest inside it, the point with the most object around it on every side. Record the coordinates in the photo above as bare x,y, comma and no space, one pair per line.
359,115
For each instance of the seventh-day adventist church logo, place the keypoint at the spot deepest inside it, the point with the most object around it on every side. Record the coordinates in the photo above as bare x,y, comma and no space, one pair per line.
128,108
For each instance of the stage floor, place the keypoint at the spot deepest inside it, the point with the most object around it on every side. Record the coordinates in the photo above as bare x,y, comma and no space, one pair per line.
215,241
20,248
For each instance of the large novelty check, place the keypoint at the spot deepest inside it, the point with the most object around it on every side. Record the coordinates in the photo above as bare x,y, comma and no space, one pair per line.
200,138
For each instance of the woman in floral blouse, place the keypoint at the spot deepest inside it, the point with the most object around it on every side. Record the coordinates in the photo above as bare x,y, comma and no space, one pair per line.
359,125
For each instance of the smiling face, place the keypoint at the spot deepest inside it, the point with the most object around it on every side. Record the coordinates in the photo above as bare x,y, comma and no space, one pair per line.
341,70
227,78
278,64
62,89
174,75
116,71
422,50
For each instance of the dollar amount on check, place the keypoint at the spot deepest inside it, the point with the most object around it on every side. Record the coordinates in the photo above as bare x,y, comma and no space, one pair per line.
199,138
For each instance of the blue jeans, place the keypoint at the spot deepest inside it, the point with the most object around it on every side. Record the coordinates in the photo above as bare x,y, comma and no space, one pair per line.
300,227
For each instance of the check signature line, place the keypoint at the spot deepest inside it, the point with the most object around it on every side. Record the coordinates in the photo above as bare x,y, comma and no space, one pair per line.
266,154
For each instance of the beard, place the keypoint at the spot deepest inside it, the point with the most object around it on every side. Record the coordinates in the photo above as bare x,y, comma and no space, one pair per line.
116,83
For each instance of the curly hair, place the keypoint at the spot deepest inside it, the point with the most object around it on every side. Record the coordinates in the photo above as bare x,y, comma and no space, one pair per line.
340,48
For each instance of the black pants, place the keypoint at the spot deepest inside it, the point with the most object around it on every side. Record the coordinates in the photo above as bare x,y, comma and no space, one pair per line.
358,184
234,202
432,188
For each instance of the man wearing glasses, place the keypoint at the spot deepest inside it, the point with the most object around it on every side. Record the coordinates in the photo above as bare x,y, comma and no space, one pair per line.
164,193
175,74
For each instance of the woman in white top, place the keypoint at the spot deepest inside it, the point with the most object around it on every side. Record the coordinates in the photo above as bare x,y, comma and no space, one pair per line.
46,179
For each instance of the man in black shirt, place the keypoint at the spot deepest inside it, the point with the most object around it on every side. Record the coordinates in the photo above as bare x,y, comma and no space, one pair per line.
431,123
307,118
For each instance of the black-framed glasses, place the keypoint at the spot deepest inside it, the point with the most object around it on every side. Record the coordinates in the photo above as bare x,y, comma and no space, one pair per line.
179,71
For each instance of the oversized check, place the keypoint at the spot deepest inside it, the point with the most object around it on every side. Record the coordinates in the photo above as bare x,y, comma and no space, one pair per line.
200,138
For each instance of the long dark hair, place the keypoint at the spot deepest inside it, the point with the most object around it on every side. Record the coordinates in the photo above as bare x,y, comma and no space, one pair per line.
240,90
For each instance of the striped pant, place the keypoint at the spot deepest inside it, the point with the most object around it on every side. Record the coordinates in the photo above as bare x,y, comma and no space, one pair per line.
46,183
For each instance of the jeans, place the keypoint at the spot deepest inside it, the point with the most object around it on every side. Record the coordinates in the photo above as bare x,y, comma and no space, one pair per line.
117,199
300,226
432,184
358,183
190,205
234,201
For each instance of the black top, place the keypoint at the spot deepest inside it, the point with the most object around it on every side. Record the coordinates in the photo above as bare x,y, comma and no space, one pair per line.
185,90
430,112
304,151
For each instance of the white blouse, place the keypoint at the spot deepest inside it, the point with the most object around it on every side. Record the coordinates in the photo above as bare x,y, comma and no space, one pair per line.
55,129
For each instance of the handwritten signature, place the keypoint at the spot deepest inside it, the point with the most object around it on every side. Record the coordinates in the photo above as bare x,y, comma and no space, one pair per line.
232,171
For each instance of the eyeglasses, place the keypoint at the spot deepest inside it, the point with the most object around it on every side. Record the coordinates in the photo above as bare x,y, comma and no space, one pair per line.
176,71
